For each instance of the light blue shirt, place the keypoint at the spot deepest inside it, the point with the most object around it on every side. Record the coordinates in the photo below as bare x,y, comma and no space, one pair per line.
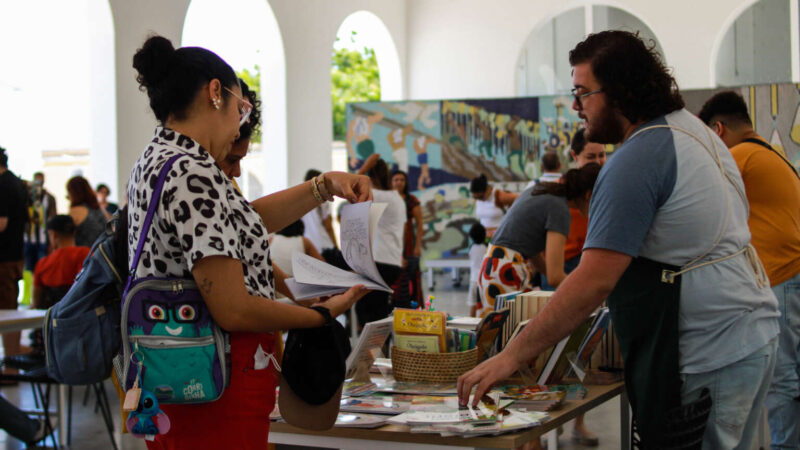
662,196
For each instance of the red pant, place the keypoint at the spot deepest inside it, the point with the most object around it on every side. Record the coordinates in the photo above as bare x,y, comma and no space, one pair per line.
240,418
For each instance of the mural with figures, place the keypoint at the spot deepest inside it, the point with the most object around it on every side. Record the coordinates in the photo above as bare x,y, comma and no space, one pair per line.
443,144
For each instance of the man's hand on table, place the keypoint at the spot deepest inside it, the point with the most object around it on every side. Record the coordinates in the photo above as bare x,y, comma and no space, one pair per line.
486,375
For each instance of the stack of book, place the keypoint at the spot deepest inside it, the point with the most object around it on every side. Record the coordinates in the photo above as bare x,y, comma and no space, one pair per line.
568,356
521,307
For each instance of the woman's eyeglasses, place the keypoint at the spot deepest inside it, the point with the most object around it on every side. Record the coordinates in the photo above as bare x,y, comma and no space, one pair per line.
245,108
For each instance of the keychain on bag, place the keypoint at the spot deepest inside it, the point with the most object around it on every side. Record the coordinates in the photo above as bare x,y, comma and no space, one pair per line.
146,418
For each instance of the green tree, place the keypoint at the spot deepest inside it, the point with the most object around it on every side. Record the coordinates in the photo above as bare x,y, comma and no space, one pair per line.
253,79
354,78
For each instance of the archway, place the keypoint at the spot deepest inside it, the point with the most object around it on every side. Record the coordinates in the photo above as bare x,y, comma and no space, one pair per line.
254,44
753,47
364,32
543,65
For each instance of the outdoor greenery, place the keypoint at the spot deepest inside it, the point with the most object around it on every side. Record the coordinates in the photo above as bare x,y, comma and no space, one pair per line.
354,78
253,79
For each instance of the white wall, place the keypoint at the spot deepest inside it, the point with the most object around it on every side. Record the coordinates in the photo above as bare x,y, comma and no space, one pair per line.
446,48
133,22
102,152
308,29
469,48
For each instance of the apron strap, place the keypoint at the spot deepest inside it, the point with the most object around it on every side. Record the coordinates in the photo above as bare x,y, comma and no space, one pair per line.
755,263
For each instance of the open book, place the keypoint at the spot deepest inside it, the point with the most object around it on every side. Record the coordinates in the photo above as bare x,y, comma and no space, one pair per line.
315,278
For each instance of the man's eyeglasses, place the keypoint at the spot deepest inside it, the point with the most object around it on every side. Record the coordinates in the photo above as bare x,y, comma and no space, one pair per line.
245,108
578,97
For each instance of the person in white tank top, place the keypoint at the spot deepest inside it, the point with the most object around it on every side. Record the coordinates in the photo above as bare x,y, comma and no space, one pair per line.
490,203
288,241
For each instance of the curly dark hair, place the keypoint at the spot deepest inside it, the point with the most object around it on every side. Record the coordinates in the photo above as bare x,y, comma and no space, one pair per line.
631,74
727,106
254,121
173,77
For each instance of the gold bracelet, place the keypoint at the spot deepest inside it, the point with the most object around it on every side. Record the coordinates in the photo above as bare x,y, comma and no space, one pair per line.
315,192
323,189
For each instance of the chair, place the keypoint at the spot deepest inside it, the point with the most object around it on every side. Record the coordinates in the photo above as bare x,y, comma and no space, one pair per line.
41,383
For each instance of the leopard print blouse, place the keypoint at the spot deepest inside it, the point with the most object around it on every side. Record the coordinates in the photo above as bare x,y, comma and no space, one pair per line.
200,214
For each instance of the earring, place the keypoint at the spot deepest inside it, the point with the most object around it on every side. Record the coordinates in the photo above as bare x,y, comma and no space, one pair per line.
216,103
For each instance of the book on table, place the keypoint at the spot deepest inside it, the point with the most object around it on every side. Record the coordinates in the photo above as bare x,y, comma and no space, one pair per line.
488,330
367,349
558,364
374,404
433,410
359,420
315,278
420,330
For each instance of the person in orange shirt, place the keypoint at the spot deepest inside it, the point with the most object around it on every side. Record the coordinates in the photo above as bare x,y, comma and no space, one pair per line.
582,152
55,273
772,186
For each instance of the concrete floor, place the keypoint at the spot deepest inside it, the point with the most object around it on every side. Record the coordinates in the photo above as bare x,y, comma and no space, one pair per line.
89,433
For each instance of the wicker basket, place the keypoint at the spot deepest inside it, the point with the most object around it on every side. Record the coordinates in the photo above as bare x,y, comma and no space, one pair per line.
431,367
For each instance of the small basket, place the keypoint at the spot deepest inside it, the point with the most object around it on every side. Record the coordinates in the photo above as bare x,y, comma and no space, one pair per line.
432,367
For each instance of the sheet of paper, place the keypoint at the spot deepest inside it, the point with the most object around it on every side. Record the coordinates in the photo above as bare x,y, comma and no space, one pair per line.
309,270
302,291
358,222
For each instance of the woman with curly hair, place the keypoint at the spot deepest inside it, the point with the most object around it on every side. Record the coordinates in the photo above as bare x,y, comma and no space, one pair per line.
85,211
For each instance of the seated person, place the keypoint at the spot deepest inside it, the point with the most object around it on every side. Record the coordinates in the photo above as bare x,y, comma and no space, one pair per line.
55,273
16,423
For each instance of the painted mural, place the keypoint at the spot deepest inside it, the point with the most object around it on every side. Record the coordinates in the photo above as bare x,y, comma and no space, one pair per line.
444,144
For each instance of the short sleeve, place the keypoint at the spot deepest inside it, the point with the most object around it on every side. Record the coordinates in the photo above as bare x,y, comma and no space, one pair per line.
558,218
199,210
635,182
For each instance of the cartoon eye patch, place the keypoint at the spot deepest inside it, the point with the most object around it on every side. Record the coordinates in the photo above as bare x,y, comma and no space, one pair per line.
181,312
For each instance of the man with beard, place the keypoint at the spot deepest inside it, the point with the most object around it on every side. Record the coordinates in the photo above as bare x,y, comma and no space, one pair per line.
668,247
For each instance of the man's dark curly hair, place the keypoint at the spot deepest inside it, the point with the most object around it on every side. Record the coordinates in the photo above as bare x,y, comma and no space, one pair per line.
254,121
631,74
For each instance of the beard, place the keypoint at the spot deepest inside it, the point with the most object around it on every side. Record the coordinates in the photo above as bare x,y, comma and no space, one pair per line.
607,128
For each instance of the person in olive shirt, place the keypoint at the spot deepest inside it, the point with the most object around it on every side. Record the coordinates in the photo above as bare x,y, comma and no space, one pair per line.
13,214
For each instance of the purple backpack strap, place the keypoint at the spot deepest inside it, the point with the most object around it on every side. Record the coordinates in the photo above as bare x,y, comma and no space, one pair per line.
148,219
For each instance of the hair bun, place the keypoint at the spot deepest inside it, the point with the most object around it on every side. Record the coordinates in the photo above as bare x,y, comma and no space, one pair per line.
153,61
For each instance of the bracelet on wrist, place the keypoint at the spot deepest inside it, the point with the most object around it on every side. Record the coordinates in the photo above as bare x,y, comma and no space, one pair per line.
323,188
315,192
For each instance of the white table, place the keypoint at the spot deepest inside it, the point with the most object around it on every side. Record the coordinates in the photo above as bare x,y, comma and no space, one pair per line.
455,264
25,319
398,437
20,319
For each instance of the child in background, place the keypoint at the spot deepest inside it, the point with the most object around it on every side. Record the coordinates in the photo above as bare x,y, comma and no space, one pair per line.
476,253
